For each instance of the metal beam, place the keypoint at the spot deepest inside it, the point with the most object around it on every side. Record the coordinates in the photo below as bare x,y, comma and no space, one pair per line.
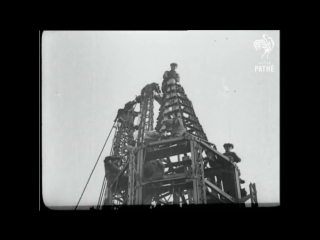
244,199
168,178
237,182
216,197
165,195
165,141
194,172
212,186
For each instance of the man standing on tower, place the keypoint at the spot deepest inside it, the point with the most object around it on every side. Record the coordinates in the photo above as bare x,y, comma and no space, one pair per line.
168,75
232,156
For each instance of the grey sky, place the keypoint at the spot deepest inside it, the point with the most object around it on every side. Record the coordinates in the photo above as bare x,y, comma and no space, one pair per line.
88,76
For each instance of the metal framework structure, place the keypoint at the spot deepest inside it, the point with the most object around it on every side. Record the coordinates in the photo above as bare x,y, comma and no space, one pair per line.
124,133
177,104
195,172
124,124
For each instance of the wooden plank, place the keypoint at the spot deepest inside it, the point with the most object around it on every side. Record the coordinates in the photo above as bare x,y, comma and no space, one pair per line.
209,184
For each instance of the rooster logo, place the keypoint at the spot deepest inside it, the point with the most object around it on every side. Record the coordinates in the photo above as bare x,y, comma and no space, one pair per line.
266,43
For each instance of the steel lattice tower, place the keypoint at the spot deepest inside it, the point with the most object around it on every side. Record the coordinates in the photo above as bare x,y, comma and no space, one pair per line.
177,104
195,172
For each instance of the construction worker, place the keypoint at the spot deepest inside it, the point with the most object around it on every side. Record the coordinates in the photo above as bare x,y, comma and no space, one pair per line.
176,124
111,165
153,86
133,128
153,170
232,156
151,135
122,115
130,104
168,75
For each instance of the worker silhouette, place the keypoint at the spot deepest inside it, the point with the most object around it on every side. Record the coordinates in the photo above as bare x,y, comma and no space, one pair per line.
232,156
176,126
111,166
152,170
172,74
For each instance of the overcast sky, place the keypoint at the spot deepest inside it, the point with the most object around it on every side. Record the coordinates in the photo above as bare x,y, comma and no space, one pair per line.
87,76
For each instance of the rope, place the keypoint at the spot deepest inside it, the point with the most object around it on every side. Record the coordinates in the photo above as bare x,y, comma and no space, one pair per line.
94,167
101,192
103,189
115,191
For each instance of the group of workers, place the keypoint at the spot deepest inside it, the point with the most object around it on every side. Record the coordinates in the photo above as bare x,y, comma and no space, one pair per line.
154,169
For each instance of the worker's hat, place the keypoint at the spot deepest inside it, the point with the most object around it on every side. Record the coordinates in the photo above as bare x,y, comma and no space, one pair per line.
174,64
227,145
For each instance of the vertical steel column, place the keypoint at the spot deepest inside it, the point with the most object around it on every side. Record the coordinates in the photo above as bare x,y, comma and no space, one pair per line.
177,103
146,109
132,180
253,194
200,175
146,124
176,195
237,184
194,165
138,194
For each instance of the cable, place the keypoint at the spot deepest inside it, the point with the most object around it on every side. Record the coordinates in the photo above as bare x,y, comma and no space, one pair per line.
94,166
102,192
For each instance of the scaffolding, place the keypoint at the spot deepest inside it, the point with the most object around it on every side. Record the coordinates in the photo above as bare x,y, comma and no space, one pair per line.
194,171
